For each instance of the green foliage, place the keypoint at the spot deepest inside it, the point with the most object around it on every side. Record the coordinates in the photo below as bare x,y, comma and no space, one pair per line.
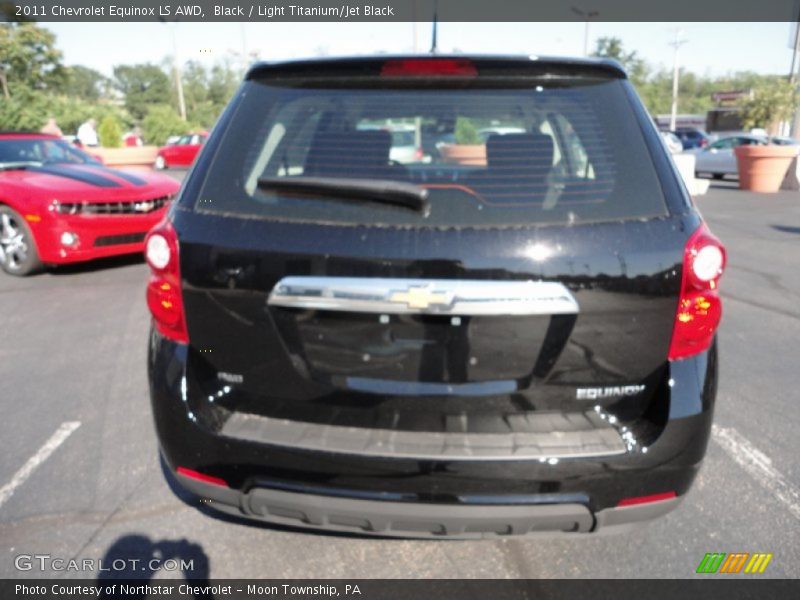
611,47
143,86
84,83
772,102
223,80
161,122
207,91
466,132
29,58
109,132
655,87
29,109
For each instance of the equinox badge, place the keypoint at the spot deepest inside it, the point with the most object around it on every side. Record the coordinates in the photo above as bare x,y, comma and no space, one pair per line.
594,393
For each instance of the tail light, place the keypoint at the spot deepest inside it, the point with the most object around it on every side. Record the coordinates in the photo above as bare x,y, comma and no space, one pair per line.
164,297
699,307
429,67
419,154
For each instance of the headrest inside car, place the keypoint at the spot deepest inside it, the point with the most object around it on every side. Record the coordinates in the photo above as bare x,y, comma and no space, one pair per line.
519,151
348,153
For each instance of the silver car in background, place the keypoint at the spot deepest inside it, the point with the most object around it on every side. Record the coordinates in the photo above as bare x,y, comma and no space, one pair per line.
718,158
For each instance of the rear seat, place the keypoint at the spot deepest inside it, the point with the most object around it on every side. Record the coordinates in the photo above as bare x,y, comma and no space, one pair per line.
518,166
353,154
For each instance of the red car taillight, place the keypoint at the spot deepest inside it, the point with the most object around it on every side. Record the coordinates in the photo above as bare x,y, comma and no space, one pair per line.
699,306
164,297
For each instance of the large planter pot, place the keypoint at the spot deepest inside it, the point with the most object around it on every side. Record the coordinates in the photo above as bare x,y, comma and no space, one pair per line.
464,154
762,168
133,156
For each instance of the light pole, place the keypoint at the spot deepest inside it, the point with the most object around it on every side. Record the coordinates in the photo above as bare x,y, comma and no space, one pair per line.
675,74
435,30
586,15
414,26
178,80
244,47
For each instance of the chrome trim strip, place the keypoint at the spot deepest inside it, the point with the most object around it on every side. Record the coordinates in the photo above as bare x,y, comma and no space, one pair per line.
593,441
467,297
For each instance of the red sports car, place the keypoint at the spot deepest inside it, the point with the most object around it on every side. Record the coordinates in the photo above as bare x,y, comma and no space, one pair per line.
182,153
59,205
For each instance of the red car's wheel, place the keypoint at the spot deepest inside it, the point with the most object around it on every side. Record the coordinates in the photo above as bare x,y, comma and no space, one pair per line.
161,163
18,255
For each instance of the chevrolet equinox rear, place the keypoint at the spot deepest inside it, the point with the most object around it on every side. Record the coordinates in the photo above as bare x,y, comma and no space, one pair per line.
509,330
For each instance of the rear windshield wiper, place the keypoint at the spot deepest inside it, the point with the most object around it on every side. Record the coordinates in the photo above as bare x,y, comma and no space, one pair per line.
396,193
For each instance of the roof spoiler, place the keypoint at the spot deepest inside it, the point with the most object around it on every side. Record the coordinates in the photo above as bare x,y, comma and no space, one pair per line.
484,65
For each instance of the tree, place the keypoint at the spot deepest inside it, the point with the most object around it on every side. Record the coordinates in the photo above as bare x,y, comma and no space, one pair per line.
84,83
466,133
161,122
143,86
110,132
29,58
770,103
28,109
611,47
207,91
222,83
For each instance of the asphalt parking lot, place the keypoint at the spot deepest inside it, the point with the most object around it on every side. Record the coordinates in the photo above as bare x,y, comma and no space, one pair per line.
73,394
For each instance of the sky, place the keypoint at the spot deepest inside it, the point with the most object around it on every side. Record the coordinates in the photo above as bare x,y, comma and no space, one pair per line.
710,48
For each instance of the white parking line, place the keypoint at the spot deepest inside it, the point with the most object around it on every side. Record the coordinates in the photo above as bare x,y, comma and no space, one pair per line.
758,465
58,438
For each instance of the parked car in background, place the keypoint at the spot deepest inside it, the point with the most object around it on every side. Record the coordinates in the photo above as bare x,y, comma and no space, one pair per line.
182,153
784,141
404,148
433,349
672,142
718,158
59,205
691,137
485,132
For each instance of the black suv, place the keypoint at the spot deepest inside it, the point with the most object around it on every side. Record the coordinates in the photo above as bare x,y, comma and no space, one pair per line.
499,337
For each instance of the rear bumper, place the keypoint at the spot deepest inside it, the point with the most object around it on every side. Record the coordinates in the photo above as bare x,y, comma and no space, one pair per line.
426,520
98,236
405,496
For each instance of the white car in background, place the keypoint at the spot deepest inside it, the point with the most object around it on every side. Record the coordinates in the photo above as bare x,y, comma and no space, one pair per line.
672,142
404,148
487,131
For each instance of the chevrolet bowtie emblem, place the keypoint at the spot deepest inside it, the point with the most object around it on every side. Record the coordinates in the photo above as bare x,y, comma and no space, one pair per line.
422,298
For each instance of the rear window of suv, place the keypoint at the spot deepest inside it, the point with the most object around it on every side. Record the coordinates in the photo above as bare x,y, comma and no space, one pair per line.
535,150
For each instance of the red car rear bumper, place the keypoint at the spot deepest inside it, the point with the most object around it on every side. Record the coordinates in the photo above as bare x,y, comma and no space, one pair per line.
98,236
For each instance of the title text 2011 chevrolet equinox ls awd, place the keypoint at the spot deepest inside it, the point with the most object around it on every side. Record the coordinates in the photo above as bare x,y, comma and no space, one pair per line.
495,334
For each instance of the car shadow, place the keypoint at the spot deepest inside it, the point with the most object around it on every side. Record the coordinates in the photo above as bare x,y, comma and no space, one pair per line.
137,557
100,264
786,228
724,184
